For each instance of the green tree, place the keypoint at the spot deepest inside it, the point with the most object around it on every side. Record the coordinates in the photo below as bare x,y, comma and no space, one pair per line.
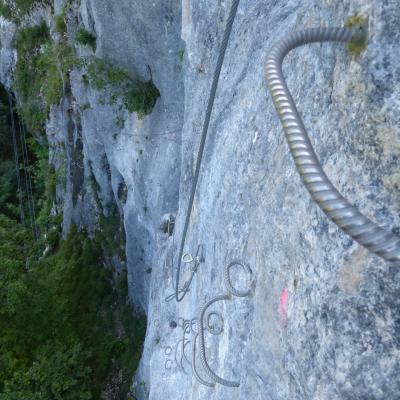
56,373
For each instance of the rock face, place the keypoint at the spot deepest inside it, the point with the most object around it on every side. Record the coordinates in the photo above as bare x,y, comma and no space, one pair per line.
136,163
323,318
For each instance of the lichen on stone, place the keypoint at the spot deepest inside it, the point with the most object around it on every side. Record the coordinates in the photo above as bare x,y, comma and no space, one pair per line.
357,21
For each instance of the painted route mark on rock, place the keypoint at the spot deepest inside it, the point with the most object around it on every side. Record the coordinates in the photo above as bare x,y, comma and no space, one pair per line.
283,303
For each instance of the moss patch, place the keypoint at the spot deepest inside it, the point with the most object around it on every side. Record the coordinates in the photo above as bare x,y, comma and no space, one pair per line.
137,96
40,74
86,38
357,21
60,25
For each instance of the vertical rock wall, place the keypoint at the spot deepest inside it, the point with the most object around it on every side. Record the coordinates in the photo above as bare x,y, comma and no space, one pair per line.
323,319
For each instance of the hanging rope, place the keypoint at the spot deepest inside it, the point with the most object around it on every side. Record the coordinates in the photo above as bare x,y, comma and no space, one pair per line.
25,168
377,240
232,14
28,171
16,159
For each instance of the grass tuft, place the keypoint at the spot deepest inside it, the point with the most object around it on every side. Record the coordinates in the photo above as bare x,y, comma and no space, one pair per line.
86,38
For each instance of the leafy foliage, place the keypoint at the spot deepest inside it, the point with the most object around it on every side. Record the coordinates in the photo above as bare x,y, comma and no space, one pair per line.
56,324
5,10
23,6
41,71
181,55
32,37
14,10
141,98
137,96
357,21
65,326
7,167
60,25
56,373
7,188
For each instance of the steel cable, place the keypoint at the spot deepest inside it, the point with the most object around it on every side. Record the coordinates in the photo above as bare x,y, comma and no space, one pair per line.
16,159
194,368
183,355
224,44
235,292
189,259
203,356
377,240
25,149
228,281
27,182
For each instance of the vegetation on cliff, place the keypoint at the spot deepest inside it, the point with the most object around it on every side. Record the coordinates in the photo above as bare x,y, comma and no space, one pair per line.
66,324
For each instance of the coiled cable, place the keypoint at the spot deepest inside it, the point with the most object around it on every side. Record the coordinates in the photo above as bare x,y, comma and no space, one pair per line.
228,281
203,356
194,368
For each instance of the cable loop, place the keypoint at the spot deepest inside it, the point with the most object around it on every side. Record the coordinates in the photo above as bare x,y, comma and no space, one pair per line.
203,356
215,330
228,281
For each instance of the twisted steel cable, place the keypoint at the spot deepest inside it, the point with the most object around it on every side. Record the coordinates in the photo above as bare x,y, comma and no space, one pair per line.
30,190
194,368
16,159
26,168
203,356
228,281
377,240
232,14
179,362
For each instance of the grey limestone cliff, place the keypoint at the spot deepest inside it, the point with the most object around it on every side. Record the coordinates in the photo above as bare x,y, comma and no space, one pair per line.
323,318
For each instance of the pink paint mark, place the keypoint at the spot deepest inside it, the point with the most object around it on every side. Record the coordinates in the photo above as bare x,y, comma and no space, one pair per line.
283,304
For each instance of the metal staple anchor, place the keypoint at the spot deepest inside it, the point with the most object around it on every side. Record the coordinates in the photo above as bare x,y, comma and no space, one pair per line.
182,344
168,364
